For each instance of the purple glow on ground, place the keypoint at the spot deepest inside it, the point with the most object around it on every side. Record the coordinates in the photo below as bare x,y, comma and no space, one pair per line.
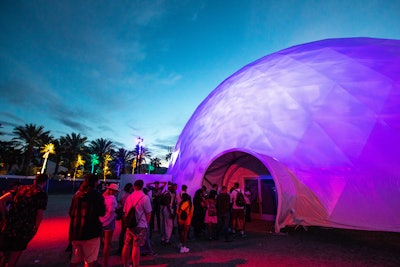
323,118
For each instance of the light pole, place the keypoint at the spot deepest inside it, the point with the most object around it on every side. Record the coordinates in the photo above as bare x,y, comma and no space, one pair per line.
139,152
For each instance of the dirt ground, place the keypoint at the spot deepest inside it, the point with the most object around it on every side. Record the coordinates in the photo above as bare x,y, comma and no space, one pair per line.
314,247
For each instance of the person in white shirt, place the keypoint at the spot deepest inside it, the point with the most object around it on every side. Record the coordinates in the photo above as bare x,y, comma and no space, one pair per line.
237,212
247,197
135,238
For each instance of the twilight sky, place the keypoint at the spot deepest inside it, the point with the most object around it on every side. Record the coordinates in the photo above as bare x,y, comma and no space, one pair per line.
122,69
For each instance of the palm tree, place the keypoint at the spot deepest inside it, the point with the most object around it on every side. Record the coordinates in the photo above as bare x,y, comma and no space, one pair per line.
145,154
10,155
73,144
156,162
47,149
168,156
121,158
79,162
29,138
100,147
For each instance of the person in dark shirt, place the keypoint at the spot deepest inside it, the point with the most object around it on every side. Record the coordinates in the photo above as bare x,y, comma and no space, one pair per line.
85,227
157,189
223,205
22,219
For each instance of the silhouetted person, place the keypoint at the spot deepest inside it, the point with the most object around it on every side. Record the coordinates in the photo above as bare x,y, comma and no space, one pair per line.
22,219
223,204
85,227
157,189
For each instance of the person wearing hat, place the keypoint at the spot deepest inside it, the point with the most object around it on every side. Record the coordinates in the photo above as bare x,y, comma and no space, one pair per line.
109,219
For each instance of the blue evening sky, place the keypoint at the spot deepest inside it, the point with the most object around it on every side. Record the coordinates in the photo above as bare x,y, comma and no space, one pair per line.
122,69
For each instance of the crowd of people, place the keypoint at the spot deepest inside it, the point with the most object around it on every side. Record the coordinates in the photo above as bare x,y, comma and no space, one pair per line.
158,208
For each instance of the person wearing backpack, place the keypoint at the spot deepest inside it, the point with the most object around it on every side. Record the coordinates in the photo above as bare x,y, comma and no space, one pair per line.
136,237
185,213
238,205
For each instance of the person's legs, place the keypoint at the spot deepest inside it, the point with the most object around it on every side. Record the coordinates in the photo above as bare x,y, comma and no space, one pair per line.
163,222
76,256
225,225
139,238
185,234
158,218
153,213
240,220
107,246
248,213
234,220
135,255
169,225
90,251
209,225
146,248
121,236
214,231
127,248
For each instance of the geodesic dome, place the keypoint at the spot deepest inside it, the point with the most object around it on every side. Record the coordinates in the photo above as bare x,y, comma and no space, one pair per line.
323,119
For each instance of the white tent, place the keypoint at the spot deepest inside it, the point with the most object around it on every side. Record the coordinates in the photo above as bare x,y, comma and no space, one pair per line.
322,119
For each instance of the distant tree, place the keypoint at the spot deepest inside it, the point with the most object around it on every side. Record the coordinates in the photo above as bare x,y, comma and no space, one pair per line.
168,156
29,138
79,162
156,163
146,154
100,147
10,156
73,144
122,157
47,149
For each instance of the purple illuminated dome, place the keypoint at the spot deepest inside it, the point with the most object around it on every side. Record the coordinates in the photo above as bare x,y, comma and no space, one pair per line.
313,130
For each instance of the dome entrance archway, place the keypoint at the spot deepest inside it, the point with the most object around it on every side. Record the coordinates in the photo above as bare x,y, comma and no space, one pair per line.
247,170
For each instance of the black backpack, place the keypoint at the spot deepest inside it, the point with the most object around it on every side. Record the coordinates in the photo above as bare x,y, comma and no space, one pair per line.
130,220
240,202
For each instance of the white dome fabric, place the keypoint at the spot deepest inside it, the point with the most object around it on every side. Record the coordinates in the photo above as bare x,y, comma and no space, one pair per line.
323,118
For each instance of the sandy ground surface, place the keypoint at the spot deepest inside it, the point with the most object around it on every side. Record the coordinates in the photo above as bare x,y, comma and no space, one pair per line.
314,247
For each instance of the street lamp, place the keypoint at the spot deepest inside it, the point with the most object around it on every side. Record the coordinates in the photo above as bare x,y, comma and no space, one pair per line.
139,153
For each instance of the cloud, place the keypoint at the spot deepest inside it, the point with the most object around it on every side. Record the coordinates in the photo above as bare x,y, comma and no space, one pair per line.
75,125
10,116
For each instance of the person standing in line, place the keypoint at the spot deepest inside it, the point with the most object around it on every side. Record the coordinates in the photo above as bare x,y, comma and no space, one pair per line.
183,191
157,189
109,219
223,204
146,249
237,212
214,190
168,214
85,227
135,238
23,218
128,189
185,206
247,198
199,213
210,218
